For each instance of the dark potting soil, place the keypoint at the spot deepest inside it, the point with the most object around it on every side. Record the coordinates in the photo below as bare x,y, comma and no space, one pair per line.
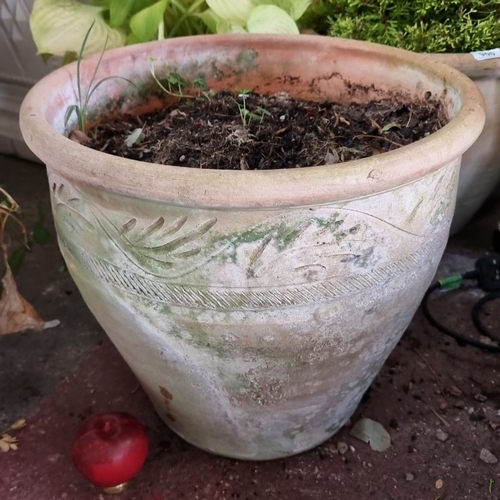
255,132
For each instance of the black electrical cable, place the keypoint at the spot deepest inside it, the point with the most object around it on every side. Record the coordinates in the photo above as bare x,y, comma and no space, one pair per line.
455,281
476,319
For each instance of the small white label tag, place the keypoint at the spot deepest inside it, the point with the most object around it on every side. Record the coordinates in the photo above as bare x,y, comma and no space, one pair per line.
482,55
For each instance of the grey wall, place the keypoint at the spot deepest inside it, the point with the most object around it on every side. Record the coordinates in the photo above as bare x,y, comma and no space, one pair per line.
20,68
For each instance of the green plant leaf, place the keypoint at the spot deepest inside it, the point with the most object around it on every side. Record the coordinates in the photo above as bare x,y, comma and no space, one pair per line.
224,26
69,111
210,18
200,82
41,235
100,3
176,79
59,26
69,57
233,11
141,5
119,10
144,25
271,19
372,432
132,39
294,8
16,259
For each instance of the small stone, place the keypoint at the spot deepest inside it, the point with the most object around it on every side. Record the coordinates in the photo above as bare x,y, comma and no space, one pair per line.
455,391
409,476
352,448
443,406
480,397
459,404
494,425
439,484
487,457
441,435
437,391
342,447
470,411
485,340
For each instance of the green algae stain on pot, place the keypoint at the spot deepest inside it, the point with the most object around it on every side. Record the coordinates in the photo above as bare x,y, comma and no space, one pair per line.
284,234
246,60
332,223
439,216
281,236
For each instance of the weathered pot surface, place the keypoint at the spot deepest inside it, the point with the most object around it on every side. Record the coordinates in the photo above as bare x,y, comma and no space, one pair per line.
480,171
256,307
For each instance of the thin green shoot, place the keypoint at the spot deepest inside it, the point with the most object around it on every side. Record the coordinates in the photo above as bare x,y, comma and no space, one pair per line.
175,84
245,114
81,108
186,13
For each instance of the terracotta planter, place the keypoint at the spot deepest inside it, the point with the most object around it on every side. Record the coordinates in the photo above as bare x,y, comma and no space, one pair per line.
480,171
256,307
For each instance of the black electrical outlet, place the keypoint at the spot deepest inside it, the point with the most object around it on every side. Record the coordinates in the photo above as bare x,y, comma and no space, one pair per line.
496,239
488,269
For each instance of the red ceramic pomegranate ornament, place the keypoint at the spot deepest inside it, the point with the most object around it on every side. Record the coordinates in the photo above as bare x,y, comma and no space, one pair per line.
110,449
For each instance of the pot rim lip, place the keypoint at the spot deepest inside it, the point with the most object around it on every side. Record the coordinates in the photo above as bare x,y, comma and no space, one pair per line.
465,63
257,188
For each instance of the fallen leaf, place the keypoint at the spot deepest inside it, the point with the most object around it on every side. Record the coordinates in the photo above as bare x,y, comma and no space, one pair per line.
388,127
135,137
331,157
16,314
372,432
455,391
7,442
177,112
51,324
487,457
18,424
79,136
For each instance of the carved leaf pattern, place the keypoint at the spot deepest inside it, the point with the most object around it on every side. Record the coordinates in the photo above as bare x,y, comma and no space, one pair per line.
155,246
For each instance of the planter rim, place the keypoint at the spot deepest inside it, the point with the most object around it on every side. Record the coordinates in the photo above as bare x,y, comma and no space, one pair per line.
465,63
270,188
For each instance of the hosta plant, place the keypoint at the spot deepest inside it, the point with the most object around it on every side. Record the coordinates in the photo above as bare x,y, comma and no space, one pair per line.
59,26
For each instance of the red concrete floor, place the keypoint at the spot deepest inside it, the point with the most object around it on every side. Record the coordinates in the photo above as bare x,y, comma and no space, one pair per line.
428,384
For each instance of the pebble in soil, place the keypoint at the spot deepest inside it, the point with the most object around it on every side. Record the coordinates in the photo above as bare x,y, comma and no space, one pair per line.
274,132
